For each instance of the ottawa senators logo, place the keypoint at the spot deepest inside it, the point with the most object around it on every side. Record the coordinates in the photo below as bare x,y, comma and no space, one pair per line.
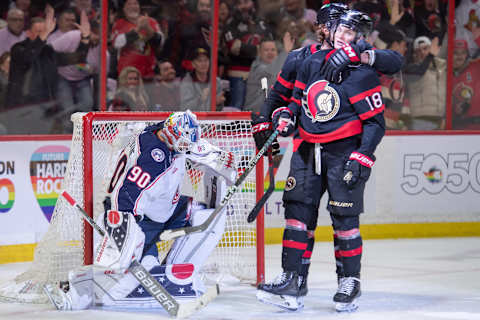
320,101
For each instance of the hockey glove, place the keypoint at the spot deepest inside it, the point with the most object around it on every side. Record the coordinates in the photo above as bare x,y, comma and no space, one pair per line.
261,131
337,61
282,115
357,167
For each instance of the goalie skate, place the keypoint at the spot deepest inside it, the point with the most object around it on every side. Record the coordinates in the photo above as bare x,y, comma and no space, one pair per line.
346,298
57,297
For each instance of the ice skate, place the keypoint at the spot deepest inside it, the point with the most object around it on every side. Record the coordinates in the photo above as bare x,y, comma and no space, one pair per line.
346,298
283,292
57,297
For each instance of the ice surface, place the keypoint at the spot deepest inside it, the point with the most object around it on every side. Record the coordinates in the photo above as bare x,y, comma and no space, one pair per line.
414,279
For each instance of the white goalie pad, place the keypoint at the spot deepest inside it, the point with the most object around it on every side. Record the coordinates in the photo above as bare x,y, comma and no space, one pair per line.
195,248
124,240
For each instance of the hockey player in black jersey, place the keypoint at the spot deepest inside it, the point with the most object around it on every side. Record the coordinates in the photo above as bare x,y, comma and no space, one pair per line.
339,127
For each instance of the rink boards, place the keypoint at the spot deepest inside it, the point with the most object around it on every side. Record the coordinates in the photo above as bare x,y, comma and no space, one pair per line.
422,185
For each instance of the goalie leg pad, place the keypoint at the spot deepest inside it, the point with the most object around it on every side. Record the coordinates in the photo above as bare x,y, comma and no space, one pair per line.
125,240
195,248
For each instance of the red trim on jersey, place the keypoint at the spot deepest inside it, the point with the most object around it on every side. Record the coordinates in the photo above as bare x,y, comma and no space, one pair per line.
364,94
294,244
329,54
307,254
371,113
297,101
285,83
284,98
296,144
351,253
337,254
300,85
349,129
313,48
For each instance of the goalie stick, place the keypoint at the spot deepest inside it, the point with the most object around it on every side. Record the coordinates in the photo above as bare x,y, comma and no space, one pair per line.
175,233
271,187
148,282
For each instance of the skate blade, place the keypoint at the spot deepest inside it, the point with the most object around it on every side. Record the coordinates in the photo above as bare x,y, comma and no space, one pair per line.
346,307
289,303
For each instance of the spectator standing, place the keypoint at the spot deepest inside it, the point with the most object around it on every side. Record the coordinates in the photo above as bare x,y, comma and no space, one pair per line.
393,85
86,6
4,68
191,34
430,20
65,22
165,91
78,53
25,7
267,64
467,17
195,86
32,78
130,94
137,38
242,37
13,32
466,88
401,16
296,10
426,85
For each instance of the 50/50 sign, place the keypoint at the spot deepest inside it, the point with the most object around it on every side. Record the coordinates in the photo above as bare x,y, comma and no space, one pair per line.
433,173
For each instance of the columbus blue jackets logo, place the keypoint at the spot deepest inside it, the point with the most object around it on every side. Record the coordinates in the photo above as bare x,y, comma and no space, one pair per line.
320,101
158,155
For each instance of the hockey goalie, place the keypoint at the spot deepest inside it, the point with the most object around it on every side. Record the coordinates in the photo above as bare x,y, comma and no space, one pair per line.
144,199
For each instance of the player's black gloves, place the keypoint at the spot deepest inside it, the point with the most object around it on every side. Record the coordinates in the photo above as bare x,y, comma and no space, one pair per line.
337,60
261,130
282,115
357,167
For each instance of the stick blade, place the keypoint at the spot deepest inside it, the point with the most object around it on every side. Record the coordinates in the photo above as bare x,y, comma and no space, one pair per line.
172,234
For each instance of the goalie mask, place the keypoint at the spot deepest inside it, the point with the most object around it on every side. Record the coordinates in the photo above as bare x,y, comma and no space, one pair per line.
181,130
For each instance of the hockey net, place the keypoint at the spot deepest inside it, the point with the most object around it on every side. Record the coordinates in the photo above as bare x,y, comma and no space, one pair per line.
97,139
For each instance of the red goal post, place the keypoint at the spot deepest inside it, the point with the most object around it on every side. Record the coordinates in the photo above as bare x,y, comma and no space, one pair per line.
221,128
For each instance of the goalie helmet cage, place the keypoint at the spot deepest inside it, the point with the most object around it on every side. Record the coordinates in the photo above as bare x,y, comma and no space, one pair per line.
97,138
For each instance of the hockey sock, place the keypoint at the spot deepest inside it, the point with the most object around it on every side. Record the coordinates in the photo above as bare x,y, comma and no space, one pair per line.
308,253
349,244
294,245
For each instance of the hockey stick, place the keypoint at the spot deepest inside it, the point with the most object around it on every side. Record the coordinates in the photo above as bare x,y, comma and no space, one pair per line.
271,187
148,282
175,233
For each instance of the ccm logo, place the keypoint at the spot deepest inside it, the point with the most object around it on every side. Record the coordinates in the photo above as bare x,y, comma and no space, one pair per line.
261,127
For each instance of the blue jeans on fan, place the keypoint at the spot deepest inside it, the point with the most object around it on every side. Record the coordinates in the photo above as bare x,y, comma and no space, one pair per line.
238,91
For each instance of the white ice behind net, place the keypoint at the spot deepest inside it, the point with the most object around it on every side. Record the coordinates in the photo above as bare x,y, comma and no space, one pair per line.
62,248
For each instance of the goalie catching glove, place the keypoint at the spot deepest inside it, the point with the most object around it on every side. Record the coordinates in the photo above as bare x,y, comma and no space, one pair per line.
282,115
261,131
337,61
357,167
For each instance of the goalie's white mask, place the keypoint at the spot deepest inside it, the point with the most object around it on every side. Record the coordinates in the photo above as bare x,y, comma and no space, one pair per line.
181,130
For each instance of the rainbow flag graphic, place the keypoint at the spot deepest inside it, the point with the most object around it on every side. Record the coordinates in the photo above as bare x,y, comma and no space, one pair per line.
47,169
6,203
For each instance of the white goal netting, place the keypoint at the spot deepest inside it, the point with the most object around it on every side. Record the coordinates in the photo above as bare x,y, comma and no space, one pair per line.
95,144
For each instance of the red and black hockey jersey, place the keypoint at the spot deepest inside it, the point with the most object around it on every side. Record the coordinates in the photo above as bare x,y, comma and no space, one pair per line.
327,111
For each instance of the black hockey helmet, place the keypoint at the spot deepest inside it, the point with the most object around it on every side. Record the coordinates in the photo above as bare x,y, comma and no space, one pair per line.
357,21
330,12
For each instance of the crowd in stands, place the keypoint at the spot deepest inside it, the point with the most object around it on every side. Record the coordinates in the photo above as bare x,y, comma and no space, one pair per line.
159,57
